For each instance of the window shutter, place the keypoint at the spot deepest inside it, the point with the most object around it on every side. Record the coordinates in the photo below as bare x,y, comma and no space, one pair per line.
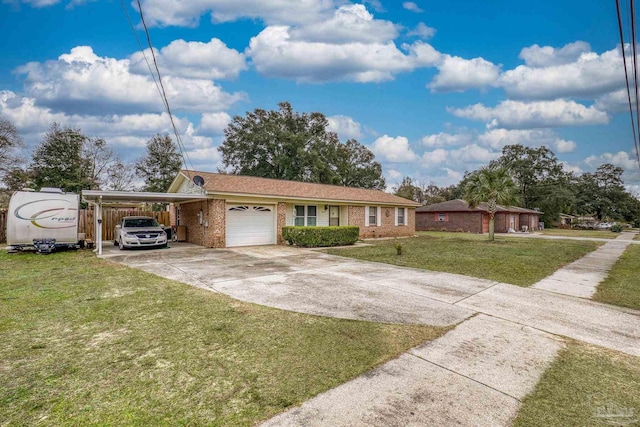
379,216
396,222
366,216
406,216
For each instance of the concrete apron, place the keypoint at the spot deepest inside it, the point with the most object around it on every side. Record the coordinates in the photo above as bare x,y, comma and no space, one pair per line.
582,277
477,374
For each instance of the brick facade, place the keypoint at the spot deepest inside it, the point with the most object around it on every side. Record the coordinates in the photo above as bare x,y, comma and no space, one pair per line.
211,233
466,221
387,227
281,222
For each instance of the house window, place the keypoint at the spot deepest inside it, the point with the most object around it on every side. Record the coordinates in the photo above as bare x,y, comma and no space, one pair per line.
400,219
373,215
305,215
442,217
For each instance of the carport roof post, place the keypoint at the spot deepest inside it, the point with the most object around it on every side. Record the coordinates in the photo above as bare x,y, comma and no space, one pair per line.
98,198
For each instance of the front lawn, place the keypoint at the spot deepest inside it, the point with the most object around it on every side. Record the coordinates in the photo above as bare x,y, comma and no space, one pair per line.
88,342
622,287
573,232
519,261
585,386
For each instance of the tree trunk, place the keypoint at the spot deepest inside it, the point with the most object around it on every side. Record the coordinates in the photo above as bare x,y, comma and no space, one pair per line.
491,226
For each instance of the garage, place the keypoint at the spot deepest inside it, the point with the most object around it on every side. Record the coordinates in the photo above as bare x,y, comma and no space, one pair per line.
249,225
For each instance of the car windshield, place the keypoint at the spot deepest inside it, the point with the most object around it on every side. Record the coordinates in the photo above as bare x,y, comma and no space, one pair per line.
141,222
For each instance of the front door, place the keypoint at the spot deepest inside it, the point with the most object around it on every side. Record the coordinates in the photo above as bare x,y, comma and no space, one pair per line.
334,216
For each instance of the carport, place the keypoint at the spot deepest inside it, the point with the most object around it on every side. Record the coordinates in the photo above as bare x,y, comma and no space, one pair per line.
98,199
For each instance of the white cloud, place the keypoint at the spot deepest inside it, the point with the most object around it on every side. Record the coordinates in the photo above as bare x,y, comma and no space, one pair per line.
350,23
393,150
459,74
571,168
394,175
541,114
544,56
423,31
472,154
81,81
434,158
586,77
411,6
214,123
623,159
188,13
615,102
345,127
274,50
444,139
212,60
498,138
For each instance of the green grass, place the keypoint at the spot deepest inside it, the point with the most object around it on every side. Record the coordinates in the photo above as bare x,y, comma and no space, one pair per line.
88,342
599,234
582,379
622,285
519,261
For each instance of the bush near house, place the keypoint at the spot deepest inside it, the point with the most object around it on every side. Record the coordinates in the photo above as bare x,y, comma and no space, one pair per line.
314,237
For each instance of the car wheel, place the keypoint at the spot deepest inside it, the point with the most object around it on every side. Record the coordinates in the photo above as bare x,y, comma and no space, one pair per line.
121,245
115,242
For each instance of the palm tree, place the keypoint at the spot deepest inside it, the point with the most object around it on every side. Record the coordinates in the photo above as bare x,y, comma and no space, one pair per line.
494,186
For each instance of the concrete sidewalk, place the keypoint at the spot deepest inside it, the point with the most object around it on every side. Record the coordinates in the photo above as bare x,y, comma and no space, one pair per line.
475,375
581,277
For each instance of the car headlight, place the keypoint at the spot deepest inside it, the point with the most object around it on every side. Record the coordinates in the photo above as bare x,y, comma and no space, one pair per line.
129,235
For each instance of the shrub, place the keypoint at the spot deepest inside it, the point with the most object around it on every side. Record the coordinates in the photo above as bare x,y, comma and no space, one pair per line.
398,246
314,237
616,228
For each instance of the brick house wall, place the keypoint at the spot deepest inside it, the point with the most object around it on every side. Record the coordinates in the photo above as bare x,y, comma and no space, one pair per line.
387,227
467,221
281,222
211,233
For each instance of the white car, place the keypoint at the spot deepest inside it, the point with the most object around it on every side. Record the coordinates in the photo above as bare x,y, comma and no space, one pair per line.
138,232
604,225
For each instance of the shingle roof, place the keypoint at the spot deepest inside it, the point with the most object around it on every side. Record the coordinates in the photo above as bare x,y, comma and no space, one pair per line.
459,205
254,186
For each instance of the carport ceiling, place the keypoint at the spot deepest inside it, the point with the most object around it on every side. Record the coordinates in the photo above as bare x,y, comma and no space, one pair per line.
122,197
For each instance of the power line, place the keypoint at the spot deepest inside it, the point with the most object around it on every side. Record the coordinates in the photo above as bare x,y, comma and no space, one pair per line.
626,76
159,84
635,121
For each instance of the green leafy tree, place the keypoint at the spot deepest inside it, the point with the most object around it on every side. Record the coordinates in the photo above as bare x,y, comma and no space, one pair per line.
542,182
160,165
284,144
58,161
602,193
491,185
408,190
10,143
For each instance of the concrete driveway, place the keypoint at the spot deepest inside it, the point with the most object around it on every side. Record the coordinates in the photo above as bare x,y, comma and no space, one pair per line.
312,282
476,374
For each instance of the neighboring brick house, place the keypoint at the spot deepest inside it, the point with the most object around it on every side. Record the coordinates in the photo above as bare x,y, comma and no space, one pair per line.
245,210
456,215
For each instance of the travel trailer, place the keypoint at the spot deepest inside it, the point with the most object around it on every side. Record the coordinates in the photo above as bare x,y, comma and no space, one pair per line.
43,220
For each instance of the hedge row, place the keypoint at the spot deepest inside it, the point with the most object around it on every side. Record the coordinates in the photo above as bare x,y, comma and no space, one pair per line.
314,237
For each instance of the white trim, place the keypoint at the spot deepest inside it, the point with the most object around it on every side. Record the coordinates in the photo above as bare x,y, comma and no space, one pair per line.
366,216
379,216
396,219
406,216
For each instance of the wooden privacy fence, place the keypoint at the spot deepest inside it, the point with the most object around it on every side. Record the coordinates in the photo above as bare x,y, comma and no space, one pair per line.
3,225
111,217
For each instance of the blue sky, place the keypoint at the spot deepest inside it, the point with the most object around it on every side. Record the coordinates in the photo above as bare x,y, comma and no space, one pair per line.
432,88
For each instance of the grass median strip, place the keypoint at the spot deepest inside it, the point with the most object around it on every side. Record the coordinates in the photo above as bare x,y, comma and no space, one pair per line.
585,386
622,287
84,341
519,261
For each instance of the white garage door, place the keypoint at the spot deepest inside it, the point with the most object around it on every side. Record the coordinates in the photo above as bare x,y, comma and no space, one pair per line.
249,225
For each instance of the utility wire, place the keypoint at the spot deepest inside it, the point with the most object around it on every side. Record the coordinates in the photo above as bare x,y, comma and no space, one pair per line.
163,94
626,76
635,69
135,34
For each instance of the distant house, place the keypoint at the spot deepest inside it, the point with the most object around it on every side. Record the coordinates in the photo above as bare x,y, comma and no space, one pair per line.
565,221
456,215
